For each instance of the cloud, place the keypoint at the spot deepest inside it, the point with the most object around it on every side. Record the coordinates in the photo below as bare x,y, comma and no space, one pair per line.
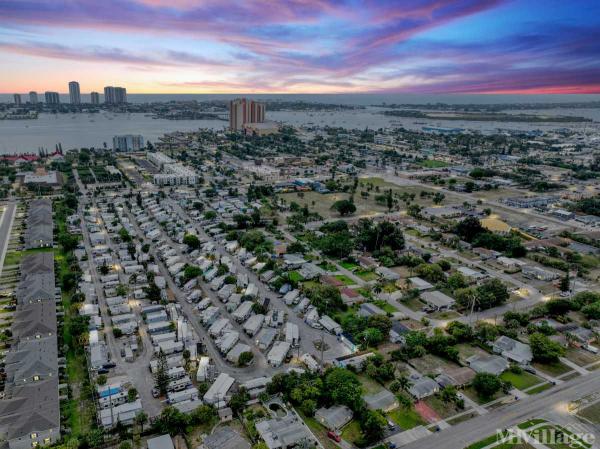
316,45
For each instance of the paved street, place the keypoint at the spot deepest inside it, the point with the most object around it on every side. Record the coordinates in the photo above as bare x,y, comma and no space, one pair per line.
553,400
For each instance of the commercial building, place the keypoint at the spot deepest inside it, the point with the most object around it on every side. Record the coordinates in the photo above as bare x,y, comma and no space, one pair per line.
17,98
95,98
74,92
128,142
243,111
52,97
33,98
115,95
175,175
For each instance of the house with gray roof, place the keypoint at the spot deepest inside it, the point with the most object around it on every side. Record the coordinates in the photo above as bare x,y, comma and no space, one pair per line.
286,432
224,438
424,387
40,227
334,417
513,350
492,364
30,409
383,400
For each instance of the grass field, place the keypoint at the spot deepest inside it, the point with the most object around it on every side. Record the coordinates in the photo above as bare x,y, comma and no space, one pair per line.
406,418
444,409
592,413
366,275
349,265
344,279
581,357
521,381
431,163
365,206
540,388
385,306
555,369
369,385
351,431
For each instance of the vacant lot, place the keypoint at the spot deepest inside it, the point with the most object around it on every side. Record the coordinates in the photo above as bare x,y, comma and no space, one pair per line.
431,364
581,357
555,369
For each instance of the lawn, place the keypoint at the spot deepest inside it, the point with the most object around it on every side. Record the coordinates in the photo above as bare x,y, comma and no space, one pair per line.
554,369
592,413
366,275
581,357
351,431
540,388
351,266
531,423
560,435
471,393
431,163
444,409
328,266
386,306
344,279
413,304
406,418
466,350
294,276
485,442
369,385
430,363
521,381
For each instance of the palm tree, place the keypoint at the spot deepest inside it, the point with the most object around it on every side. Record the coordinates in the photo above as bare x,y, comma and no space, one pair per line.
141,418
404,382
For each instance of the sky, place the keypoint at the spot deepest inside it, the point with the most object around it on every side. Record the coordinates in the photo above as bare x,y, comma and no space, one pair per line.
302,46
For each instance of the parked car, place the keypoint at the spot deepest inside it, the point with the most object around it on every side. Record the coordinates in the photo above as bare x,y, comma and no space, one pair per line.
334,436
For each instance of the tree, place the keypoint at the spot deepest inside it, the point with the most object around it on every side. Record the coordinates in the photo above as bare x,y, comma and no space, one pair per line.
592,311
326,298
132,395
101,379
343,387
468,228
140,419
190,272
245,358
104,270
373,425
171,421
344,207
545,350
152,292
161,377
486,384
239,399
192,241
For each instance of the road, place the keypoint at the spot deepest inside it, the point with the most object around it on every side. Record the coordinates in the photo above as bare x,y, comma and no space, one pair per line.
556,399
6,222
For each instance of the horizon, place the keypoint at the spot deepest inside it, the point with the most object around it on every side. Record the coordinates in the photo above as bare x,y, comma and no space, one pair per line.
423,47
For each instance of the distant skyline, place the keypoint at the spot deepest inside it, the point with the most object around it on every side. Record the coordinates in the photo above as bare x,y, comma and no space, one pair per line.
301,46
